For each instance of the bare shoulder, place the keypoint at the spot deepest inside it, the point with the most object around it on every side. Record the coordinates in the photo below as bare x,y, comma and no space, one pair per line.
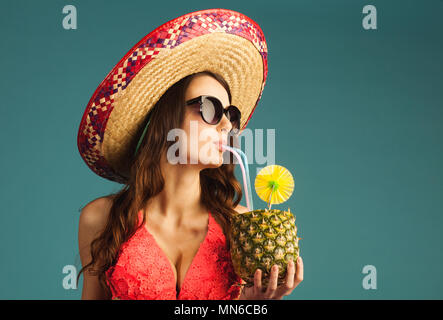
93,218
94,215
241,209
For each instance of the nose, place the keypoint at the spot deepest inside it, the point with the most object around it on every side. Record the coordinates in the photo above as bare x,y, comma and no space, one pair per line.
225,123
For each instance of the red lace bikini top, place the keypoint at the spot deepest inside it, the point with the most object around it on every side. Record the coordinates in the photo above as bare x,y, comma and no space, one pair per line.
143,271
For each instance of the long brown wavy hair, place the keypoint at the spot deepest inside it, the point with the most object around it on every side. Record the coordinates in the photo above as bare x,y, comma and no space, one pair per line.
220,190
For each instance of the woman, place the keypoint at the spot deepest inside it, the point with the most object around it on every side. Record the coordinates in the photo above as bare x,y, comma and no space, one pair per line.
164,235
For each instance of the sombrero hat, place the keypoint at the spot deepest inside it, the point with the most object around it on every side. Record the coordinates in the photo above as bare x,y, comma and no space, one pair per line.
219,40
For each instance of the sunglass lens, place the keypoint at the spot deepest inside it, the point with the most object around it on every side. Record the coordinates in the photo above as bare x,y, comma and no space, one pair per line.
211,110
233,115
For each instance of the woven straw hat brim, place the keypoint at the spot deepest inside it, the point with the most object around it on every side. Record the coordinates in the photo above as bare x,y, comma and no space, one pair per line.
219,40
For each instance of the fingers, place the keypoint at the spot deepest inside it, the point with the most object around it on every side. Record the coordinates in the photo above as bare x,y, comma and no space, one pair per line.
299,273
289,283
272,285
286,288
294,275
258,289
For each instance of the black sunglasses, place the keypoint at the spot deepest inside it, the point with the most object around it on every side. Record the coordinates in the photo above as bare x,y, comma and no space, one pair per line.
212,111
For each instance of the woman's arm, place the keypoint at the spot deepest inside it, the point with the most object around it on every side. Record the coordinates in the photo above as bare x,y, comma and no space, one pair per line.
93,218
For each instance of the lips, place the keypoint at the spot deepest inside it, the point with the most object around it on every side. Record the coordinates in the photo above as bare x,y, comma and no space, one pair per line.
219,144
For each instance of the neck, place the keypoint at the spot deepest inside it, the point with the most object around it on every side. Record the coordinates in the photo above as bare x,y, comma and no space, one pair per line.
181,195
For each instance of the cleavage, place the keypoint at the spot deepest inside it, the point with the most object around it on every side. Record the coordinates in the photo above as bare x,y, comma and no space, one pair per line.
176,256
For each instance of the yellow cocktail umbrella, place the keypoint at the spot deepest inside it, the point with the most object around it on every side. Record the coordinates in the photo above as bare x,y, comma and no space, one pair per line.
274,184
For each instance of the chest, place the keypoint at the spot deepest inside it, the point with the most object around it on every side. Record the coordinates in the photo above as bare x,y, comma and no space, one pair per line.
192,265
179,247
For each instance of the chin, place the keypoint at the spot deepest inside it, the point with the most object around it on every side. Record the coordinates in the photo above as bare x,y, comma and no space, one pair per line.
213,162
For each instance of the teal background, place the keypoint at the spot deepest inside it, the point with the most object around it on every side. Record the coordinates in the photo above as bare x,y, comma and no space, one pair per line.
358,118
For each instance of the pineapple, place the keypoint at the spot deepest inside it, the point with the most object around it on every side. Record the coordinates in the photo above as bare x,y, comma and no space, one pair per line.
261,238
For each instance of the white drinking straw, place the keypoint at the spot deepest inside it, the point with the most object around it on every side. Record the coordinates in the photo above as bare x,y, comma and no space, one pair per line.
245,182
246,164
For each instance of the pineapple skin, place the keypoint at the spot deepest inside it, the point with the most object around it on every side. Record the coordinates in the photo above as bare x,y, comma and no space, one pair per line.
261,238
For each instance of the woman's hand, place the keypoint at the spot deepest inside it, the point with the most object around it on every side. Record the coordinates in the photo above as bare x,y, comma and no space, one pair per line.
257,292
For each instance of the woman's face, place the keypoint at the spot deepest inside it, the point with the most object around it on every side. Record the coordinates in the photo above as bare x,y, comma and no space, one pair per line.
203,138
